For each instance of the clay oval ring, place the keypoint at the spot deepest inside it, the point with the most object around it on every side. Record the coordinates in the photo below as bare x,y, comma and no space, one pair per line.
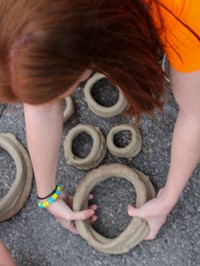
97,152
130,150
69,108
136,230
96,107
14,200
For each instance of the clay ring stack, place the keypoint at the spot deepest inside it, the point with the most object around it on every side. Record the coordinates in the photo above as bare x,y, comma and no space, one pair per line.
97,152
96,107
136,230
14,200
130,150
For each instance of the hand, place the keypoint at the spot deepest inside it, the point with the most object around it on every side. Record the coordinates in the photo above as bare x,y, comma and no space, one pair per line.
154,211
62,210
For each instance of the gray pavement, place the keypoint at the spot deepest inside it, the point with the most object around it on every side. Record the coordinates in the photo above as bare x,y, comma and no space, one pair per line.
34,237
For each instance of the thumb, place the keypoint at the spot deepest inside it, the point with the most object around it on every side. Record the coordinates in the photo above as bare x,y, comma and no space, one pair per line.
132,211
82,215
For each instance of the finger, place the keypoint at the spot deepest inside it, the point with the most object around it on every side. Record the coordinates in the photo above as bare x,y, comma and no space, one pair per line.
74,230
81,215
160,191
151,235
155,226
93,219
93,207
132,211
91,196
63,195
68,225
69,202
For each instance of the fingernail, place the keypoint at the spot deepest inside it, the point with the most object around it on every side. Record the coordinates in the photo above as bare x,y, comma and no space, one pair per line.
92,212
95,220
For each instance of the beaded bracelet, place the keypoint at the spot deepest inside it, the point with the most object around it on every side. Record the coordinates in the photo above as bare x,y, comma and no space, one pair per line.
51,199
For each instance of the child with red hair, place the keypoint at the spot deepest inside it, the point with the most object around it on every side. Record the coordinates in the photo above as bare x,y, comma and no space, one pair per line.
49,47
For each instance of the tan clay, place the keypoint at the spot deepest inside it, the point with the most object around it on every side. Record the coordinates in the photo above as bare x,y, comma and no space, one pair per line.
69,109
138,228
97,152
129,151
14,200
99,109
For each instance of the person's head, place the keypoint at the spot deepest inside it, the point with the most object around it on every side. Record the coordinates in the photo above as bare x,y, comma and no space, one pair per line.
45,47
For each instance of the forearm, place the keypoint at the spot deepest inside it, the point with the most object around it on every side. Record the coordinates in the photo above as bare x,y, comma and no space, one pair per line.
185,154
44,130
185,150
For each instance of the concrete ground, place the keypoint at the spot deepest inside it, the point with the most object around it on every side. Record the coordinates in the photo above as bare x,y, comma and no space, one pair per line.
35,238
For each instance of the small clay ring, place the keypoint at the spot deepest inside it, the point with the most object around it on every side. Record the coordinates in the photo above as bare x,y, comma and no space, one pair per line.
69,108
96,107
14,200
136,230
97,152
130,150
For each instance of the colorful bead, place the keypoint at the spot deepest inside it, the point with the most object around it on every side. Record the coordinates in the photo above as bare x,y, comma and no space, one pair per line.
54,196
46,204
51,199
40,205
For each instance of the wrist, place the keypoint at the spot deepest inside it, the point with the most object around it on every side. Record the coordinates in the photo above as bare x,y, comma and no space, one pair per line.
45,189
168,199
48,200
47,195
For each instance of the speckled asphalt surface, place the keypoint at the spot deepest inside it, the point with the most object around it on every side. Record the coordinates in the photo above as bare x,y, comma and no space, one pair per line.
34,237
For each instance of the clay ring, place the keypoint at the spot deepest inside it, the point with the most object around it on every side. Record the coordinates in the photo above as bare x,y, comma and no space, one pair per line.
14,200
97,152
138,228
96,107
129,151
69,108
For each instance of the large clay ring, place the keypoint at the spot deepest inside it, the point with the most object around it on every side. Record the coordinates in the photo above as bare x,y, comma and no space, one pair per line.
69,108
14,200
97,152
96,107
129,151
138,228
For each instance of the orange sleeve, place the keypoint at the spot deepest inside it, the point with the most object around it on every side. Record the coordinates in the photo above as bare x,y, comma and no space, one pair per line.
180,44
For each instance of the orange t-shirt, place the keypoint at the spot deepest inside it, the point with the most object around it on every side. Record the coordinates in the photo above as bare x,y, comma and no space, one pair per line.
181,46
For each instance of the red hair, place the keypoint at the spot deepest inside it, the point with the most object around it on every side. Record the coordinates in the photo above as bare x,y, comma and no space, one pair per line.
46,45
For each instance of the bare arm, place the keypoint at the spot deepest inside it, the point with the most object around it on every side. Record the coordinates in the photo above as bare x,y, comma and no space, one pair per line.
44,129
185,151
5,257
186,138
